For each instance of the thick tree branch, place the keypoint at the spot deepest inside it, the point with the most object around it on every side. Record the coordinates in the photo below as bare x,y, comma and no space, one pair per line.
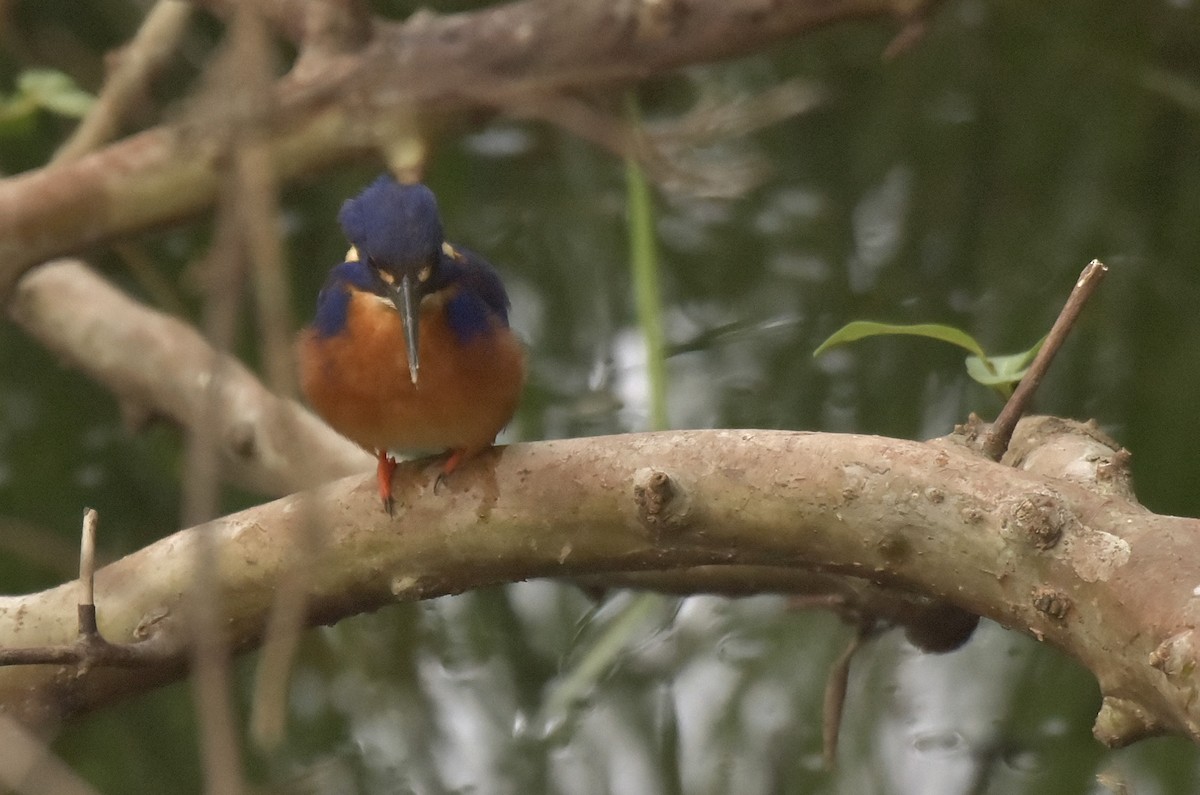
150,361
1029,551
390,96
1096,575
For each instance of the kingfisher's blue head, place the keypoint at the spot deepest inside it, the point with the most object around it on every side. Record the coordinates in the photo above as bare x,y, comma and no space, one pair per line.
397,232
396,228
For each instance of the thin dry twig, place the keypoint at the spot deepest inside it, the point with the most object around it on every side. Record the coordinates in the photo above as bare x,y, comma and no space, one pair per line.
210,651
410,77
224,276
89,648
257,196
996,440
669,150
87,575
138,62
834,701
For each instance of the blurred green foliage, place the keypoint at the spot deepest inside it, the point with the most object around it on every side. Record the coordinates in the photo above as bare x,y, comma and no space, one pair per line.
40,90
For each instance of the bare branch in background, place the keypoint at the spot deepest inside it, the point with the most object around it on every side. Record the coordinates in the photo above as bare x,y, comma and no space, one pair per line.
157,366
28,767
406,84
136,66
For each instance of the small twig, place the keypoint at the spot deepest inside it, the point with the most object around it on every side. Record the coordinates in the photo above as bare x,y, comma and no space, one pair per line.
93,653
995,442
259,201
666,150
138,62
87,576
835,700
89,648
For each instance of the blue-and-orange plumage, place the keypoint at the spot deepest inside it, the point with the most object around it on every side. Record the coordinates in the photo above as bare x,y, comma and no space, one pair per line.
411,348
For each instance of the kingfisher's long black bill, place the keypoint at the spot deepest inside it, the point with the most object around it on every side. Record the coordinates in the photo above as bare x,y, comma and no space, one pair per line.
405,300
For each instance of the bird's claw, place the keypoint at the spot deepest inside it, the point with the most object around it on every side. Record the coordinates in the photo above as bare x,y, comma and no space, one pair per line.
383,473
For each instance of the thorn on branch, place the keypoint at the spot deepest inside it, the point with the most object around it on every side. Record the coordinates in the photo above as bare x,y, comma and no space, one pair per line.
996,440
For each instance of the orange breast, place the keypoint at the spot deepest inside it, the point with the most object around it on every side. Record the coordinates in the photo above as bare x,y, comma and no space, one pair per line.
358,380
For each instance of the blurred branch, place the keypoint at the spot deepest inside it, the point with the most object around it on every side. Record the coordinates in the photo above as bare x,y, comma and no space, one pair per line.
386,96
1059,554
136,65
327,25
234,82
157,366
28,767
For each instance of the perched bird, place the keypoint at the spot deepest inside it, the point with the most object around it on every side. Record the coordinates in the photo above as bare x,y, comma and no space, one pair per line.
410,349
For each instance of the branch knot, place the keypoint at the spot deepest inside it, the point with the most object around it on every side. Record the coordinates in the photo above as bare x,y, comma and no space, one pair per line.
662,505
1039,519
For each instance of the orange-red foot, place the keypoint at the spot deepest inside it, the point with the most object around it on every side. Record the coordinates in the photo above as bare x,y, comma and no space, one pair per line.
384,472
455,458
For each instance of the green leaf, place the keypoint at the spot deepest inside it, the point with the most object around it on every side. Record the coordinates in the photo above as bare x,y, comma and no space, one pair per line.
1005,370
54,91
861,329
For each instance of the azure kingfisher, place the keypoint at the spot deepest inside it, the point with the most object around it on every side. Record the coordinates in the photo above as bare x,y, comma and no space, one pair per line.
410,349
